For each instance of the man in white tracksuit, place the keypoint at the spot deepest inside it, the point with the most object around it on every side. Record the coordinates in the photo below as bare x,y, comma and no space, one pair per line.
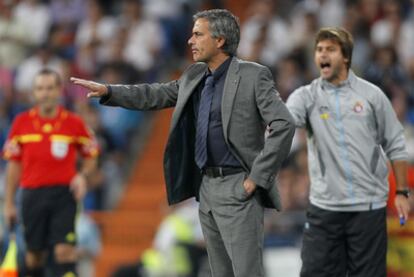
351,127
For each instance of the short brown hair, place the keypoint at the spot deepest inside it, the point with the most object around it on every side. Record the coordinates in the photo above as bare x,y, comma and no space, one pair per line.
341,36
48,71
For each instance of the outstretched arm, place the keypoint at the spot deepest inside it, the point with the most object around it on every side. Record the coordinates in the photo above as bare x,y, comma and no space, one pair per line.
135,97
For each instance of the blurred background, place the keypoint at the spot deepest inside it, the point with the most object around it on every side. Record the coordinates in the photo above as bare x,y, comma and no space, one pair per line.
126,227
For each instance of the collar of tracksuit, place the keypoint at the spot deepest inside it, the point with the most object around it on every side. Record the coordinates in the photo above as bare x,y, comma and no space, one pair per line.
349,82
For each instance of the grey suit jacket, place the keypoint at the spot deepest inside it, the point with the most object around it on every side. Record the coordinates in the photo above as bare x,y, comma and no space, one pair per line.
250,104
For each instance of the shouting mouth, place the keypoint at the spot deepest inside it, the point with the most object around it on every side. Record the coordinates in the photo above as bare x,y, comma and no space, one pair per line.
324,65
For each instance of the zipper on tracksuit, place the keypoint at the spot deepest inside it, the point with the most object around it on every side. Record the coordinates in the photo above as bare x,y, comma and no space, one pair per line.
342,145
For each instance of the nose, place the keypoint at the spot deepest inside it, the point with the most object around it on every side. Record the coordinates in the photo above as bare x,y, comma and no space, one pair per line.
190,40
322,53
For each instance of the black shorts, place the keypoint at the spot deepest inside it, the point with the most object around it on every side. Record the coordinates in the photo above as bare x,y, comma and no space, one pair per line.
340,244
48,217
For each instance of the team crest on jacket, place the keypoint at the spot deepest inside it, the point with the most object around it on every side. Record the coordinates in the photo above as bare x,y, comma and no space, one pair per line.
358,107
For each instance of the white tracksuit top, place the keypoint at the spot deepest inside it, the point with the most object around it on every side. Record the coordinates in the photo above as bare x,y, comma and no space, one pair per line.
350,127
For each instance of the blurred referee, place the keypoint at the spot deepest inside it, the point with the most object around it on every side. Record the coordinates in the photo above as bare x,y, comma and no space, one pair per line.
41,150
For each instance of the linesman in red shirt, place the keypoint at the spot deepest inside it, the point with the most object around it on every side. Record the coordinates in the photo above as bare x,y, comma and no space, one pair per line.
42,152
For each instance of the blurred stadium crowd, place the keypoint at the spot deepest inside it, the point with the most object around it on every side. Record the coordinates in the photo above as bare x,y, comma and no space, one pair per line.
132,41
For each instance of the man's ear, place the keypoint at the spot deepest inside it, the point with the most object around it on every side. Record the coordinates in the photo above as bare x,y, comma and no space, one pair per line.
220,42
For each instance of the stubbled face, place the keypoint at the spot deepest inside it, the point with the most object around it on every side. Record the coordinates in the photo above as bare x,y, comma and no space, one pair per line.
46,92
331,62
203,46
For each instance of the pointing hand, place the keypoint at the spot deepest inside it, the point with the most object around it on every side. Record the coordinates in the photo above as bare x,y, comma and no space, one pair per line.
95,89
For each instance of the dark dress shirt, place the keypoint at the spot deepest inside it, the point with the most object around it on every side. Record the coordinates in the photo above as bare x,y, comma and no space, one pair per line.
218,151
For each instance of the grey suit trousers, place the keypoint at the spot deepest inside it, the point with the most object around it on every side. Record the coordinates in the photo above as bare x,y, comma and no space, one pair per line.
232,224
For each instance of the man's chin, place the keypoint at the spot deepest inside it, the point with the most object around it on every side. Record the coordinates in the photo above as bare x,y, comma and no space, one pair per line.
198,59
48,107
326,77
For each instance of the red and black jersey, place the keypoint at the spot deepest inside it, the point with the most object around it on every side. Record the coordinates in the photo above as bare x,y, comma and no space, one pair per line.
47,147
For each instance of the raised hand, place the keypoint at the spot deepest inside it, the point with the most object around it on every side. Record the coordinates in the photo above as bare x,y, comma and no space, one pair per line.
95,89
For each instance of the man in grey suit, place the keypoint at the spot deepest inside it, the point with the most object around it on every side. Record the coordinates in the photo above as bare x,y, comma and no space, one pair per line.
217,150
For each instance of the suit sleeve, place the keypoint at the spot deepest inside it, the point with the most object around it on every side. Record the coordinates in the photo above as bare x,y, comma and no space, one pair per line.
143,96
281,130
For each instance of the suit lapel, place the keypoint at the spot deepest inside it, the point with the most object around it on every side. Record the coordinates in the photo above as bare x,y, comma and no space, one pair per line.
185,91
229,93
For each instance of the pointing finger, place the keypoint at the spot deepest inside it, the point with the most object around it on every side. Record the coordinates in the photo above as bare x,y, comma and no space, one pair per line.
81,82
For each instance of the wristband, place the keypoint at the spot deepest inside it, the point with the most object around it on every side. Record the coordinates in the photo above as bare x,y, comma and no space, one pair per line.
405,192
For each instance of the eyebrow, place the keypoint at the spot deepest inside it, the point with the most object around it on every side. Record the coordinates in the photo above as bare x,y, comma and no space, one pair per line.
328,46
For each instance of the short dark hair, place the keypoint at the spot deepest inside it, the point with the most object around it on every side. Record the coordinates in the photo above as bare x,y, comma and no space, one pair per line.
48,71
223,23
341,36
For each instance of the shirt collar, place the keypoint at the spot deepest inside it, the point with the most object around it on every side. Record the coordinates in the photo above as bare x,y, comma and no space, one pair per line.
221,69
348,82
